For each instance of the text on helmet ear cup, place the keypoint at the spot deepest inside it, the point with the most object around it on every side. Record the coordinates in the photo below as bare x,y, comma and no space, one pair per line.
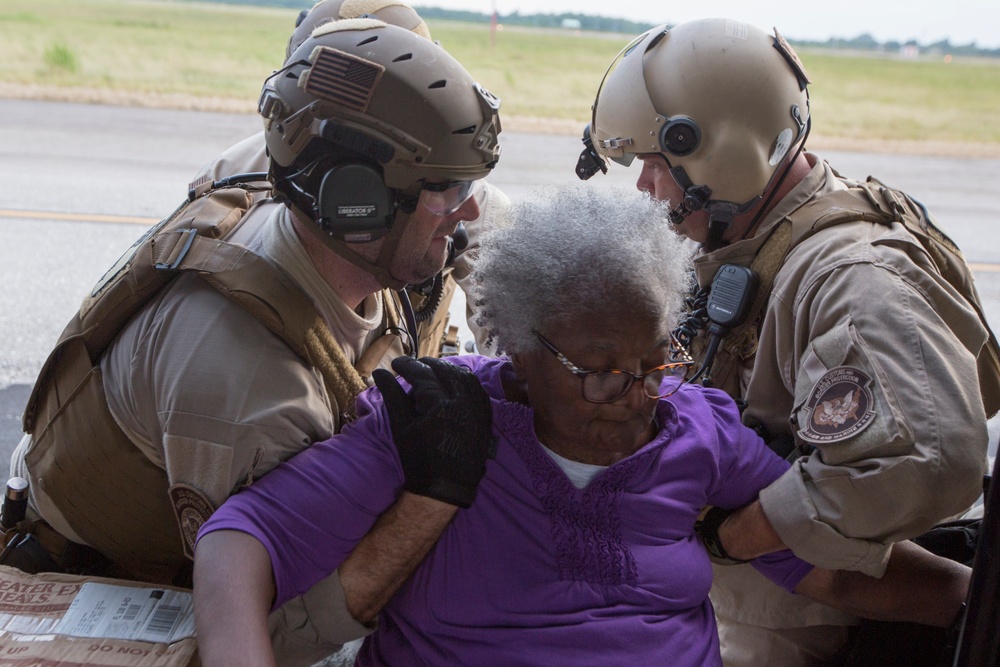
680,136
353,204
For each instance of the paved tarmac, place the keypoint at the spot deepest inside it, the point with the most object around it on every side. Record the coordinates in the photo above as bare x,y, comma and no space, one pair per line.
81,182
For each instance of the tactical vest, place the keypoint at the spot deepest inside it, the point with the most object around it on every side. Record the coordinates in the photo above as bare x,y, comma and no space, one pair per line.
76,443
873,202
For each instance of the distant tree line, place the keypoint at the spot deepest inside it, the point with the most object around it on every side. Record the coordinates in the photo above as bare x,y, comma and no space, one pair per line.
577,21
863,42
866,42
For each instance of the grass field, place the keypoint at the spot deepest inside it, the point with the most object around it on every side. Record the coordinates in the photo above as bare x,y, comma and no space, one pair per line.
216,56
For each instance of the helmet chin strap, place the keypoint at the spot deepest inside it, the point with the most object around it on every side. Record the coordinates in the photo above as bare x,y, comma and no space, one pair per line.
720,219
696,198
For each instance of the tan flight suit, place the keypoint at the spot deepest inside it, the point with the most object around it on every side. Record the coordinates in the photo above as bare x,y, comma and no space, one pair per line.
215,400
867,354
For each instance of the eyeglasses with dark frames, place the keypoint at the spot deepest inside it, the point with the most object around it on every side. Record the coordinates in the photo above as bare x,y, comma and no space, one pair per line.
608,386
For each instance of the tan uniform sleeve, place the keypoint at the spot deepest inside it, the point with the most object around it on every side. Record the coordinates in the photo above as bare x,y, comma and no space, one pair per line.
209,394
888,396
309,628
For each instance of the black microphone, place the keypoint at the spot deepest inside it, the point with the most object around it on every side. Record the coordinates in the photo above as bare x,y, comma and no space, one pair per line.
729,303
460,239
590,161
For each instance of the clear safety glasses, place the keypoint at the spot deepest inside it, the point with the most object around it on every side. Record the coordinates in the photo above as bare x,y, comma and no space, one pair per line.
445,198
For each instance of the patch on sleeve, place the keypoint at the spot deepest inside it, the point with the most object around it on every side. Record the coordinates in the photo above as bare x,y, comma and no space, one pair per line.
839,406
192,509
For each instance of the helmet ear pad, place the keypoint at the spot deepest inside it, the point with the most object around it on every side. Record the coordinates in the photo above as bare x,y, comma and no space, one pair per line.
680,136
353,203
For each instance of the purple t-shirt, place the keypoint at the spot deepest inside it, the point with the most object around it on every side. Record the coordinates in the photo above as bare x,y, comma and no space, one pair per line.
536,572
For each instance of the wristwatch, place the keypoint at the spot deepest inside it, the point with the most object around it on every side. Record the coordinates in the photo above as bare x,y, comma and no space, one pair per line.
707,527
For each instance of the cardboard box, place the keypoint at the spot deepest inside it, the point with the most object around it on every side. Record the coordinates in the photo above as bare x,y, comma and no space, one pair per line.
67,620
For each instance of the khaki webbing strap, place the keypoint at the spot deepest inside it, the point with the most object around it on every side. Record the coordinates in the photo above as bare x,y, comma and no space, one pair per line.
180,251
271,297
392,318
765,265
275,301
836,208
342,380
217,213
371,358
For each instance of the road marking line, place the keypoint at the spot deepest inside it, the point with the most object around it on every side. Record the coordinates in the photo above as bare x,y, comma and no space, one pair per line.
77,217
984,268
130,220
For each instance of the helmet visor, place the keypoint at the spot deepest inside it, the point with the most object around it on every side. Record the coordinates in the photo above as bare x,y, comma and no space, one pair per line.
624,121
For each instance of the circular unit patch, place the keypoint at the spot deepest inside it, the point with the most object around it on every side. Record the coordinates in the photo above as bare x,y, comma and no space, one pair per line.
840,406
192,509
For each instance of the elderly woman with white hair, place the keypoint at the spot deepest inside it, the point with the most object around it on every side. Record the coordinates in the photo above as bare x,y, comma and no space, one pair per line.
580,460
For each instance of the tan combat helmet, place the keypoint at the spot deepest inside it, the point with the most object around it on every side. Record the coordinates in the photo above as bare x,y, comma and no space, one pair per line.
722,101
428,116
324,11
396,107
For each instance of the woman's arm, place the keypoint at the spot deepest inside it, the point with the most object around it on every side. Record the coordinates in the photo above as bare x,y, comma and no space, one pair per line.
233,593
917,587
747,533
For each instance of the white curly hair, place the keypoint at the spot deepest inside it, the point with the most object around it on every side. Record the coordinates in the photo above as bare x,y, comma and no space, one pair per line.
577,252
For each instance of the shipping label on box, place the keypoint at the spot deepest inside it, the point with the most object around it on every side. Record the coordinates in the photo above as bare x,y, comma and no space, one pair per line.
64,620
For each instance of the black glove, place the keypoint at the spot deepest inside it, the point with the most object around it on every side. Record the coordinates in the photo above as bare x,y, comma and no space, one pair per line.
443,429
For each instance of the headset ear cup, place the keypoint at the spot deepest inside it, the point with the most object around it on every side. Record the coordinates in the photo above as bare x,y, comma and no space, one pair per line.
354,204
680,136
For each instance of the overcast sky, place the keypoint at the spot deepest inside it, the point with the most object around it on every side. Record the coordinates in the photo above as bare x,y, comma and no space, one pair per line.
961,21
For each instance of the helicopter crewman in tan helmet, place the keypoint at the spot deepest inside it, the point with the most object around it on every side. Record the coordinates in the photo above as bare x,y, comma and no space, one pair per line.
431,299
835,310
239,330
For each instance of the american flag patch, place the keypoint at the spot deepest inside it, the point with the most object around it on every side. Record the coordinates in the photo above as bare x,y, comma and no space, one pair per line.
342,78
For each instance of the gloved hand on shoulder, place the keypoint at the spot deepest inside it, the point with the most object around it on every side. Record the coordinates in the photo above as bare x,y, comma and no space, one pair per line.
443,429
